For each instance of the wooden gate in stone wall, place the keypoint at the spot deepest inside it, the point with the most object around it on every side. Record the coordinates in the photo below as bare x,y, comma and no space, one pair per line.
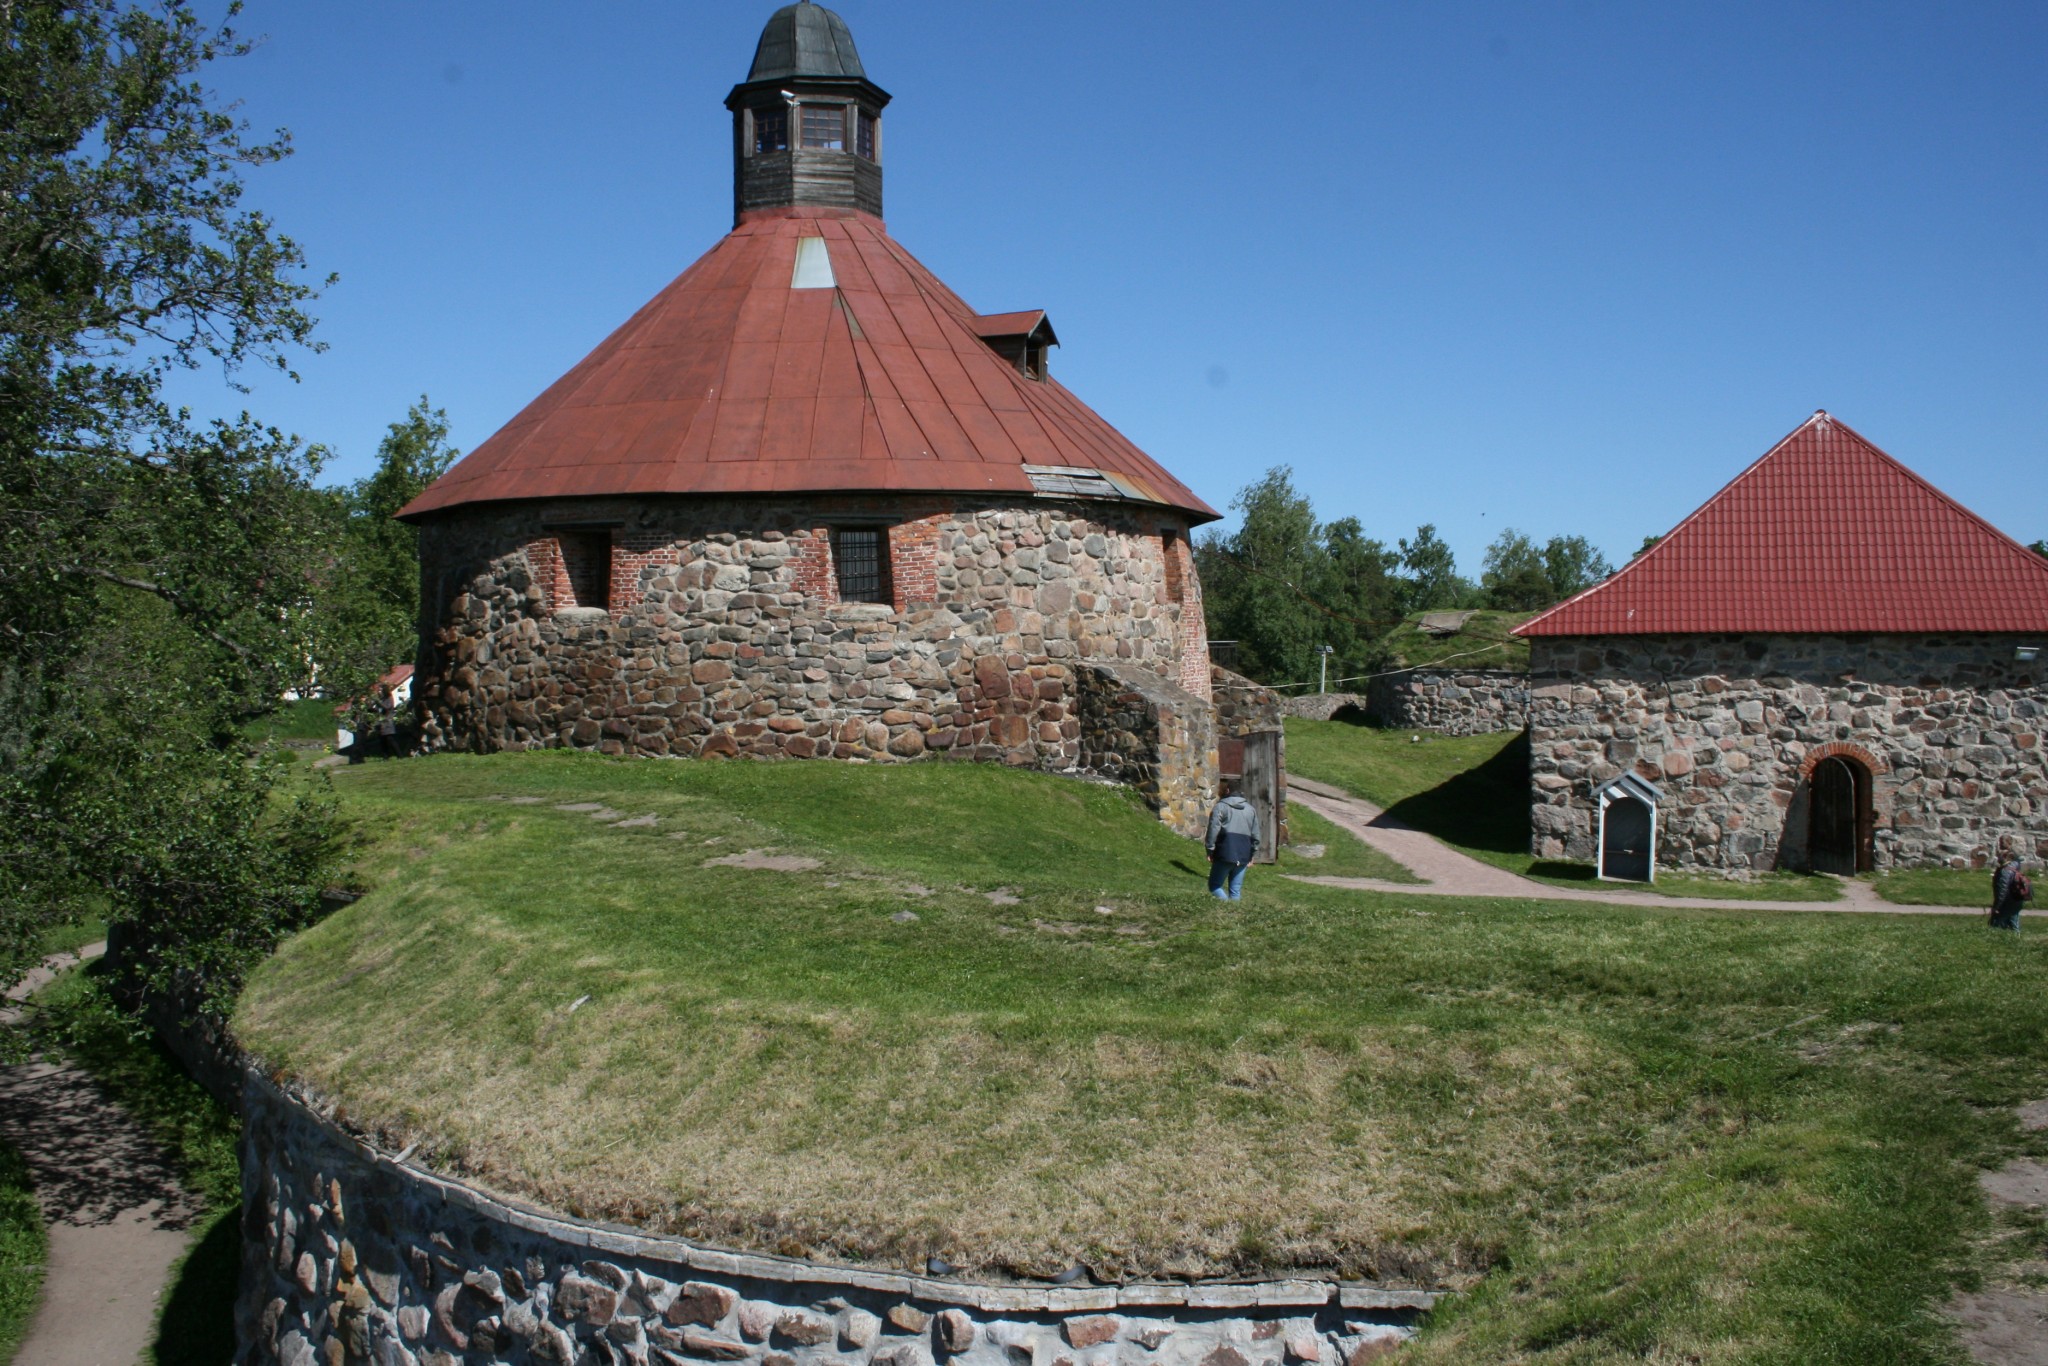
1256,761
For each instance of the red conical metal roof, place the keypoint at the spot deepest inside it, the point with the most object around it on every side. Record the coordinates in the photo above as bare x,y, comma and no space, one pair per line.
1824,534
852,369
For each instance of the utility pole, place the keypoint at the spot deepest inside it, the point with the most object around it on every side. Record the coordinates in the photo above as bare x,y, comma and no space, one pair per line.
1325,651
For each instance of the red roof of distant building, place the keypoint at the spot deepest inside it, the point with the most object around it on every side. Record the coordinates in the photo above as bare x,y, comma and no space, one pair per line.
1825,534
747,376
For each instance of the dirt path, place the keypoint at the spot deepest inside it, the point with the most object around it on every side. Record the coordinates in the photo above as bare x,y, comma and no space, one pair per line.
118,1217
1446,872
2007,1324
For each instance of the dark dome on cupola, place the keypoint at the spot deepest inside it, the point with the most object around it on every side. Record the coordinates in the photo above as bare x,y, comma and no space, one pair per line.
805,40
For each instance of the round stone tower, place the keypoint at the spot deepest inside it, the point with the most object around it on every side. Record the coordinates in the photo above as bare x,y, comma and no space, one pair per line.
807,503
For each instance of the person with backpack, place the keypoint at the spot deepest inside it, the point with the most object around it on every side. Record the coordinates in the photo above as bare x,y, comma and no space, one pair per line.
2010,888
1233,842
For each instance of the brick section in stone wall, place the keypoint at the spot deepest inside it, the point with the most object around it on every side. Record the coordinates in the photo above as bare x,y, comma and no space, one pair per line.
1137,728
351,1257
914,562
724,636
810,565
1184,588
1729,727
1450,701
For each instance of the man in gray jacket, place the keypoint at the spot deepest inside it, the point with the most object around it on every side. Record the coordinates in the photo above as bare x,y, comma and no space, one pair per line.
1233,841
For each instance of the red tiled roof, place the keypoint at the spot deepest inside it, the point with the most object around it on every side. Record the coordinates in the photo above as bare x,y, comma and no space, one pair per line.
733,381
1825,534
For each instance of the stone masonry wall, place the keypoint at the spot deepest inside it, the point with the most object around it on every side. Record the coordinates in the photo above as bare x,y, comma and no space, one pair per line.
352,1257
1731,727
1242,706
1322,706
1452,701
723,633
1137,728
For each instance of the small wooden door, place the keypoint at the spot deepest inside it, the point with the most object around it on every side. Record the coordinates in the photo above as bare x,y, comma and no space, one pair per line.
1625,839
1263,782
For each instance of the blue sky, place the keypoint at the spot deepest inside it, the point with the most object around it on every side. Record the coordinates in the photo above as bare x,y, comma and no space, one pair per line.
1562,266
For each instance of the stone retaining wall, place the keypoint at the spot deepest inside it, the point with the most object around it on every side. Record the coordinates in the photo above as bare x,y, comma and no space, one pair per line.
1450,701
350,1256
1948,729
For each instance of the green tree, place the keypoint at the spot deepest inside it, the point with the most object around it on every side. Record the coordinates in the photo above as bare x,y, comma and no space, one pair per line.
1514,577
1433,582
1644,548
1257,583
158,570
2040,548
366,608
1572,565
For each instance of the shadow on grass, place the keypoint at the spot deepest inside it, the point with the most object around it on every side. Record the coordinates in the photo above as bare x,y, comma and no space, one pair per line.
197,1324
1481,808
1564,872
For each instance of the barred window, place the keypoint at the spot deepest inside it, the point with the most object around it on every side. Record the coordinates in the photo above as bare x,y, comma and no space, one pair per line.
861,556
825,127
771,130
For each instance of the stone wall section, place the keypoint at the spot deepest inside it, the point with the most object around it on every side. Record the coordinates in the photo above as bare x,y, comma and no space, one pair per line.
1450,701
1322,706
1730,728
352,1257
1139,729
724,635
1242,706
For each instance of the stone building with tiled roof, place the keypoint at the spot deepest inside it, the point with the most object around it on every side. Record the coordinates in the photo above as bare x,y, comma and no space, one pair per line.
1830,666
809,503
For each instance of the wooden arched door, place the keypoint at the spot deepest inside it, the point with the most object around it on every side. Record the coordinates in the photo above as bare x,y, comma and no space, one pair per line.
1838,817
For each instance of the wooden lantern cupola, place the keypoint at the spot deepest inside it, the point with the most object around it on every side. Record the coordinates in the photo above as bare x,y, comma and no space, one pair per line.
807,122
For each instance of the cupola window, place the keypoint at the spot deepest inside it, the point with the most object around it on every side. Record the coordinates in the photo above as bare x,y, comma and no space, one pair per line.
771,130
860,554
864,135
825,127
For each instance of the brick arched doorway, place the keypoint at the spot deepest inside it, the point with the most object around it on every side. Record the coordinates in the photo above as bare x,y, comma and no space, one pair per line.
1840,819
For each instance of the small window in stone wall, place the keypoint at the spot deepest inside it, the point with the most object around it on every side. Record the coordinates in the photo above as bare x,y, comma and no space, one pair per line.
860,555
587,568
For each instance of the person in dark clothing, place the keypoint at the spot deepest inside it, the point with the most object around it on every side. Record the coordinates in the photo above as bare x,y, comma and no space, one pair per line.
1233,841
2009,888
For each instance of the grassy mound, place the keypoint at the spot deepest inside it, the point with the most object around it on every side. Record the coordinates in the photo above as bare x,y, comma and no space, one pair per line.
1070,1052
1483,642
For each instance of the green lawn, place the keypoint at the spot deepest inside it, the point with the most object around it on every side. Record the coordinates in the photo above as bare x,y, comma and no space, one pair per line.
309,718
195,1319
1472,792
72,935
1344,854
1629,1134
1938,887
23,1246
